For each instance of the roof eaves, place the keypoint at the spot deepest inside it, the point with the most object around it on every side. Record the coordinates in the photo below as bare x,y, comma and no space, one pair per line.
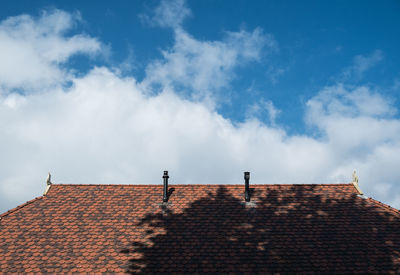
19,207
388,207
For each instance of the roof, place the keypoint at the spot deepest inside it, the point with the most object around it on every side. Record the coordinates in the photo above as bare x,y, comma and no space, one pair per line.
202,228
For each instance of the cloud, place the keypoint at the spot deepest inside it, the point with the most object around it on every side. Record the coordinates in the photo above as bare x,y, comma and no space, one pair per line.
168,14
356,121
261,108
361,64
202,68
334,101
33,50
190,64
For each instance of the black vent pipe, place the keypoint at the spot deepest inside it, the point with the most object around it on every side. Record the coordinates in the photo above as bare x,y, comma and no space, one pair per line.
246,186
165,190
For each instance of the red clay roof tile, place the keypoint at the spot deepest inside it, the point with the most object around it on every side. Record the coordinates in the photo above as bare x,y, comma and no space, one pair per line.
202,228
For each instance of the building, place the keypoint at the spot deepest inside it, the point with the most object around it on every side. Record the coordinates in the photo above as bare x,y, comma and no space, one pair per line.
307,228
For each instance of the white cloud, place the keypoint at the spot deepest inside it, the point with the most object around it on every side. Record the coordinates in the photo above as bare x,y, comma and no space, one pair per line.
336,100
261,108
190,64
32,49
168,14
361,64
201,68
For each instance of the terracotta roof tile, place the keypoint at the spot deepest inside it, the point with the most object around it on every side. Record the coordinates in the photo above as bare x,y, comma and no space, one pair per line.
203,229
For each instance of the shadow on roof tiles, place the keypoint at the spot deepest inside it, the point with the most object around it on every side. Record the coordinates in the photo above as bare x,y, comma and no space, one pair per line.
290,232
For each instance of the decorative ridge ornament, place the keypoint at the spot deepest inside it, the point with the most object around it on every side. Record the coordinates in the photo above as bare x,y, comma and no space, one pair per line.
355,182
48,182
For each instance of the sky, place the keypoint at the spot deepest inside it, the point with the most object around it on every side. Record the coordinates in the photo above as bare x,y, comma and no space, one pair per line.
116,93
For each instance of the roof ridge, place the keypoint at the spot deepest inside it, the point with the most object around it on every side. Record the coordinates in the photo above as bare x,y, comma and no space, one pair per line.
392,209
200,184
20,206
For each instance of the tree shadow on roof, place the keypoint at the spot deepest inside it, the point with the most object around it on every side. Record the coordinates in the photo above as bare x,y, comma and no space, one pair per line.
291,232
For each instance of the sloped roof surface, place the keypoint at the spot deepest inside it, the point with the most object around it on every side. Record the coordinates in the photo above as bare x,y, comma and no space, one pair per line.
203,228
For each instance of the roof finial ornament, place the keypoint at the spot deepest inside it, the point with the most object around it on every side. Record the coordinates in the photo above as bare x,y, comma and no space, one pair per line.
355,182
355,177
48,182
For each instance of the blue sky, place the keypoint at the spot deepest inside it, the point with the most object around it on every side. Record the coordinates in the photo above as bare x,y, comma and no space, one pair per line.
115,93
